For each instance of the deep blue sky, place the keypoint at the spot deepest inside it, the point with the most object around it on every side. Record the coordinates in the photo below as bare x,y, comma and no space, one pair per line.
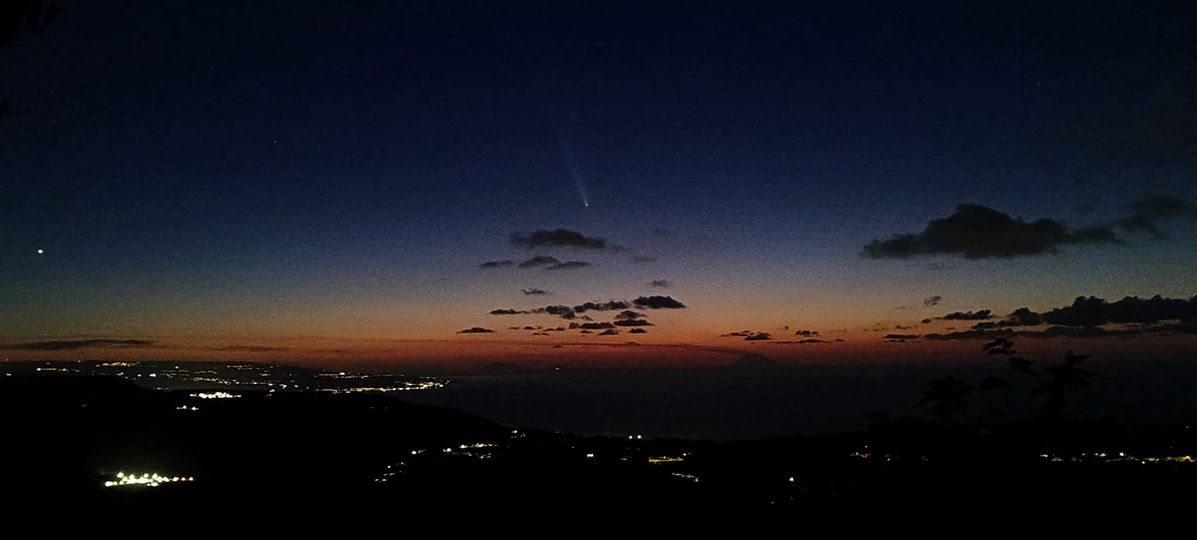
340,168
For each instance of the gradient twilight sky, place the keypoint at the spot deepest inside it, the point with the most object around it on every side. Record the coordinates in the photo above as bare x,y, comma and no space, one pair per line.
322,179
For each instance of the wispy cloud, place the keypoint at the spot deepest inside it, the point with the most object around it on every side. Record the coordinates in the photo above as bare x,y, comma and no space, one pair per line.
74,344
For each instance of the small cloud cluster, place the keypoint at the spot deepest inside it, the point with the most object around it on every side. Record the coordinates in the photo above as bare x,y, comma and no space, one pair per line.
932,300
750,335
979,315
611,305
658,302
557,238
631,318
1089,317
534,292
546,262
476,330
591,326
566,312
660,283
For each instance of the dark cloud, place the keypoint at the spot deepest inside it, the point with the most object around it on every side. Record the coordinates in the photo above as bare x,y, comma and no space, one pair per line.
586,332
1146,214
932,300
643,259
609,332
476,330
591,326
539,334
759,336
532,292
74,344
1093,311
978,232
1021,317
632,322
807,333
629,314
496,264
568,265
660,283
252,348
926,321
902,327
557,329
565,312
741,333
810,341
540,260
900,338
557,238
658,302
979,315
637,331
1050,332
530,327
601,306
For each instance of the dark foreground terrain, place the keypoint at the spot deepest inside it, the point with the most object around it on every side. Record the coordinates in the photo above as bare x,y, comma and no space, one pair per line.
100,442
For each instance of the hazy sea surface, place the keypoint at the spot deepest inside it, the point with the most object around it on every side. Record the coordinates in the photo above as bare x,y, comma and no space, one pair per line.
727,403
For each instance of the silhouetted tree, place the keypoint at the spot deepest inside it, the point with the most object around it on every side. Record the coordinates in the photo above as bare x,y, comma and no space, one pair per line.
1014,364
946,397
1061,379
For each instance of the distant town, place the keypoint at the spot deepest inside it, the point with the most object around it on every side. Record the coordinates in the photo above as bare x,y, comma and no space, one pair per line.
166,375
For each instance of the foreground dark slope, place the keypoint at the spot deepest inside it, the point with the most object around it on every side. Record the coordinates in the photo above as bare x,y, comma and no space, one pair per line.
64,437
73,432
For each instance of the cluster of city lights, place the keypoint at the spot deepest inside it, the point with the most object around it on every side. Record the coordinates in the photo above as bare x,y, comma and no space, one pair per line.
215,395
479,450
145,479
1120,457
423,385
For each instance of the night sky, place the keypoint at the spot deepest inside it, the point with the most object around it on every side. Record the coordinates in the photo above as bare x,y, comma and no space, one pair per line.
328,181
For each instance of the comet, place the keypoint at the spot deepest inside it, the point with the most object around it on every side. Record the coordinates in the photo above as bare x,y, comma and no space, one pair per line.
571,164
